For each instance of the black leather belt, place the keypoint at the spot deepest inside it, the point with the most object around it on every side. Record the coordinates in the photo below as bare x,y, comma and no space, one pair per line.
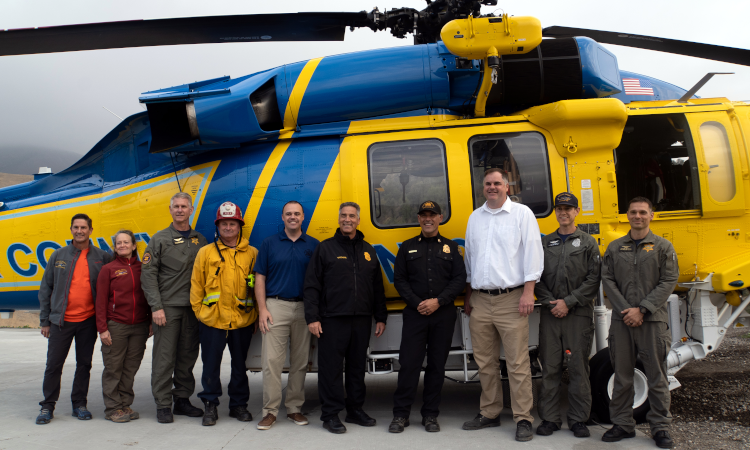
498,291
295,299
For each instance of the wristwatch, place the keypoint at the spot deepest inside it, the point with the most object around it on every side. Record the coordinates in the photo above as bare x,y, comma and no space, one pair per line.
644,310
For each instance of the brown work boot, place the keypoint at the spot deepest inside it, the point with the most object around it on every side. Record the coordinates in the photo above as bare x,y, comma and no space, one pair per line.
267,422
118,416
133,414
297,418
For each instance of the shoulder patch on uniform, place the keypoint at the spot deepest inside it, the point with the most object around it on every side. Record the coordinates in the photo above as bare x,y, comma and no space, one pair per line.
367,256
146,258
60,264
121,272
554,242
626,248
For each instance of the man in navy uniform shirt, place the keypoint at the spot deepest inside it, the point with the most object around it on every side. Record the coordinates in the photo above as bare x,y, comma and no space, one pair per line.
429,274
280,275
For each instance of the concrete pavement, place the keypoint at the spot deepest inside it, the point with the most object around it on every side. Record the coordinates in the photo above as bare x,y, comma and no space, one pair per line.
22,362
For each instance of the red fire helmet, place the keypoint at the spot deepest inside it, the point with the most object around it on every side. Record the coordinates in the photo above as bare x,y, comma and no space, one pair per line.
229,210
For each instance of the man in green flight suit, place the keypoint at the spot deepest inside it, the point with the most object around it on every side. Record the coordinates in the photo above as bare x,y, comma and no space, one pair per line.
639,272
165,278
569,283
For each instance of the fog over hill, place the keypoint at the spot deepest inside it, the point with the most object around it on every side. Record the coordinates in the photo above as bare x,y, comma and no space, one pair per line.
27,160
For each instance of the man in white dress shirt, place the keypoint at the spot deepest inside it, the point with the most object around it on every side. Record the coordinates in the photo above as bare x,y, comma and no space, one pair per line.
504,260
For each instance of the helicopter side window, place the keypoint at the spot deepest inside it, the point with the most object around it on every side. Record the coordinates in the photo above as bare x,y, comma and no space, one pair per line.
656,160
718,155
403,175
524,157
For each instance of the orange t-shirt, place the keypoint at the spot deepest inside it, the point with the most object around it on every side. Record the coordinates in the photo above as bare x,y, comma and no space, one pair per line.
80,300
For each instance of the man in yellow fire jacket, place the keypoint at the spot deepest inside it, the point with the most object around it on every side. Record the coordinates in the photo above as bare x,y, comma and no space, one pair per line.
220,295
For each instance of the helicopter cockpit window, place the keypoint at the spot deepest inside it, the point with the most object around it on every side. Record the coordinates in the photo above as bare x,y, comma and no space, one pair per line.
524,157
656,160
403,175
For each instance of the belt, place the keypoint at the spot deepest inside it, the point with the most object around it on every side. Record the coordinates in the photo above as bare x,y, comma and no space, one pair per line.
498,291
295,299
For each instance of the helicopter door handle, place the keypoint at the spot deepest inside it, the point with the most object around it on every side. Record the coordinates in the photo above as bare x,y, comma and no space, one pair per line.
379,205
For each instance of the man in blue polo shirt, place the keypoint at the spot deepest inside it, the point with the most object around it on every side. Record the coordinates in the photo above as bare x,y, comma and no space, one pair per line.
280,276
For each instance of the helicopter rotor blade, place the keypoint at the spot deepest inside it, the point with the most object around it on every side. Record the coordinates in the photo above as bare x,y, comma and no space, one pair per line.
687,48
178,31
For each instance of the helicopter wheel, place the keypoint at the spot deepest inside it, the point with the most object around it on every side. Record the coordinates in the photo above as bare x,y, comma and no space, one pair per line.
602,384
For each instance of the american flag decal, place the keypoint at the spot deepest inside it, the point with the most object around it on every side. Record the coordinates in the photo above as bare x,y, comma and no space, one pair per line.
634,86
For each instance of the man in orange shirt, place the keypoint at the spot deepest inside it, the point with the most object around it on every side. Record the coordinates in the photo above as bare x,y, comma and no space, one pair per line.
66,297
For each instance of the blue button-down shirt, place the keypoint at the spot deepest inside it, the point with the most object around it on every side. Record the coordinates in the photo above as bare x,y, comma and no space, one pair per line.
284,263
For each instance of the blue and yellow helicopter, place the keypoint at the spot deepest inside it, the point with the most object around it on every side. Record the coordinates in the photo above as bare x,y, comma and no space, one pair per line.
390,128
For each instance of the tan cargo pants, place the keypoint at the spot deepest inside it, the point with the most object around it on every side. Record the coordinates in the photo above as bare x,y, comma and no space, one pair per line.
495,321
289,329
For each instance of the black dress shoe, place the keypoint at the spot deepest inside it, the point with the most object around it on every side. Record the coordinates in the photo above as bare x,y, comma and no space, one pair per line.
183,407
211,415
580,430
523,431
164,415
241,413
663,440
616,433
431,424
546,428
480,422
334,426
398,424
360,418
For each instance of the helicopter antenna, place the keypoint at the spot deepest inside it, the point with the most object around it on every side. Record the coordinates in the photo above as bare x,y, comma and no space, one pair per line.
176,178
698,85
111,112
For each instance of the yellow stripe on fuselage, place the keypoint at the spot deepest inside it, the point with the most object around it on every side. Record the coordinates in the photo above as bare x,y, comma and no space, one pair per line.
264,181
295,98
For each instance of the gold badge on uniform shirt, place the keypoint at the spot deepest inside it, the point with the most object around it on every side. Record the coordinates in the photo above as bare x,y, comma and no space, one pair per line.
648,247
194,240
367,256
446,249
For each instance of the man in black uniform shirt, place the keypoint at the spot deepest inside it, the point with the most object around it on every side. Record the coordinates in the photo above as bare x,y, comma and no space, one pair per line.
429,274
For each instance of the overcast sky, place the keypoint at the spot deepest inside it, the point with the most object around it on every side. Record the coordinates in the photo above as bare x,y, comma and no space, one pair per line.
55,101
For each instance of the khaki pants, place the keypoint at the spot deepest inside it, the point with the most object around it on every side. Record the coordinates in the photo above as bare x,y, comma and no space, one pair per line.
122,360
495,321
289,328
651,343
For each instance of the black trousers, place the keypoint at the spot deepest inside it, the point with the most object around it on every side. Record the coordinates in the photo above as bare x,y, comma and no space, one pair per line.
58,347
343,338
423,335
213,342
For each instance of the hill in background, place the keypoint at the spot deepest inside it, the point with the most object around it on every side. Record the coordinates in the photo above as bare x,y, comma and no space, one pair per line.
9,179
28,160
